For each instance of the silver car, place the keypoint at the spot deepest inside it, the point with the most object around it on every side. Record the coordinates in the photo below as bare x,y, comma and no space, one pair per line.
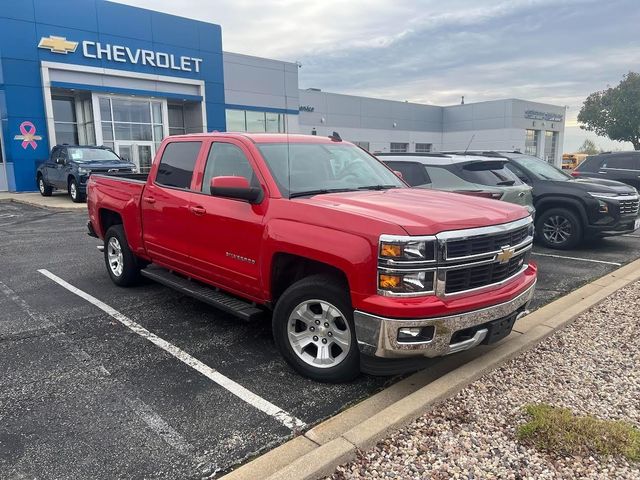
467,174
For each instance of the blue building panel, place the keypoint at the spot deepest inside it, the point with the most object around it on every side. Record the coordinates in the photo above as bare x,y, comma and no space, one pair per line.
70,31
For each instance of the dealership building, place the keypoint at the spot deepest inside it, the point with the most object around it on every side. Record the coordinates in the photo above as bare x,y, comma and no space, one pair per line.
97,72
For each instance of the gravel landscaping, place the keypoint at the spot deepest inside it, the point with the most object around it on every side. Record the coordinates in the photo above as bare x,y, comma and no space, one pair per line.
592,367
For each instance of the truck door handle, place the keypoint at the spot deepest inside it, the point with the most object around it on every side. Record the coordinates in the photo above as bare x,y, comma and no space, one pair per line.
198,210
150,200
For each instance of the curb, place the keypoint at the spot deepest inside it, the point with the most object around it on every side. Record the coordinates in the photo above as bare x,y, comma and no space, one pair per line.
4,197
337,440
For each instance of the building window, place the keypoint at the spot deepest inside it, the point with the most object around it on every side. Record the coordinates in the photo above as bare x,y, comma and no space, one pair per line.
176,119
399,148
550,146
128,121
363,145
423,147
65,120
531,142
255,122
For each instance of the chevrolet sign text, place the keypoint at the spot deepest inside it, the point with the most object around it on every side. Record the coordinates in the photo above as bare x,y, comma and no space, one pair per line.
118,53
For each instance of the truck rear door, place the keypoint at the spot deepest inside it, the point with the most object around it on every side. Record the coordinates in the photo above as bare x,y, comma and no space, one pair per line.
165,204
227,233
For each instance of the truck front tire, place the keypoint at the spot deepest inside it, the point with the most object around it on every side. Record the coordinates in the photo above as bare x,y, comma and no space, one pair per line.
314,331
121,263
74,192
559,228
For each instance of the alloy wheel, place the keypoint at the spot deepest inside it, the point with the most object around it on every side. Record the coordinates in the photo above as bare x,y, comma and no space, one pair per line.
557,229
114,256
41,185
319,333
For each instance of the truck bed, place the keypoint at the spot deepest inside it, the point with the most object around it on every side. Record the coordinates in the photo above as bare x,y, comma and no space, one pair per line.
138,177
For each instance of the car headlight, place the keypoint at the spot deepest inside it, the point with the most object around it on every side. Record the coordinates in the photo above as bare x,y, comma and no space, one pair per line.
84,171
407,283
394,249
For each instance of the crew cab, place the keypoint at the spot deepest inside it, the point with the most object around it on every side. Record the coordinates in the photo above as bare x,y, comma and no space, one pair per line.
357,270
69,166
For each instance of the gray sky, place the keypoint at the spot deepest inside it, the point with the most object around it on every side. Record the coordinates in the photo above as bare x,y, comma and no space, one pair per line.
430,51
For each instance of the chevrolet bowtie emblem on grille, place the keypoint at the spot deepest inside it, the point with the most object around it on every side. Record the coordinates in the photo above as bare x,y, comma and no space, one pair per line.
505,254
58,44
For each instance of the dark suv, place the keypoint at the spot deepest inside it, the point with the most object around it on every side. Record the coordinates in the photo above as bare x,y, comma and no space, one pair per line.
620,166
570,209
69,166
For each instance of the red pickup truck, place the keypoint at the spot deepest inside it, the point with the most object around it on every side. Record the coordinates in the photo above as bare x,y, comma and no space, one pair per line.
358,270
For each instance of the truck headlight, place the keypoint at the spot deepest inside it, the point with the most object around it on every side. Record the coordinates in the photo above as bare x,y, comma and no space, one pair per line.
406,249
84,171
407,283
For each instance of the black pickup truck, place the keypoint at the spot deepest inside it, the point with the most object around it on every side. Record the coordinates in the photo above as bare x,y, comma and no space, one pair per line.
69,166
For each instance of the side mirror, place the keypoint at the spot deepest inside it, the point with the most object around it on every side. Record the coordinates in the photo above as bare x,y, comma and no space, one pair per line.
398,174
235,187
60,161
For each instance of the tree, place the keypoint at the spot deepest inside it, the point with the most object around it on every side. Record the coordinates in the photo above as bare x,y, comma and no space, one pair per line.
615,112
589,147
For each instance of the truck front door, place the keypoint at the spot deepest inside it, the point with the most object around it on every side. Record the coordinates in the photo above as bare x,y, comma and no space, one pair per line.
227,233
165,201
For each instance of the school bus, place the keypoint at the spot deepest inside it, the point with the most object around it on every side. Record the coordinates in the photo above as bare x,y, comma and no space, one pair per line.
572,160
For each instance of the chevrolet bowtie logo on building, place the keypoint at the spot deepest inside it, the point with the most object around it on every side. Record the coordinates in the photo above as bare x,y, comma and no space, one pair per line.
506,254
58,44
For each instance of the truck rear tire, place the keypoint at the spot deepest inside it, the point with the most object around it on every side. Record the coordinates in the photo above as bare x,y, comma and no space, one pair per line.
121,263
45,190
314,331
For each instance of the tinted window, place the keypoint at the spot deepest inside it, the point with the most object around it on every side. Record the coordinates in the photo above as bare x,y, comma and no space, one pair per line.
488,173
590,164
227,160
412,172
443,178
177,163
627,162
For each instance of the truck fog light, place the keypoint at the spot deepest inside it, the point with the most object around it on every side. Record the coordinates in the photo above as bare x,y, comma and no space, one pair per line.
416,334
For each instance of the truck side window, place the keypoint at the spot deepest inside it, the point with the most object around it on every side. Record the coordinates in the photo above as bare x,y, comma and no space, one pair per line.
227,160
177,163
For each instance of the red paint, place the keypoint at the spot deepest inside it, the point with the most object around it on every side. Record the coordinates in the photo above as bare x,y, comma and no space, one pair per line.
232,243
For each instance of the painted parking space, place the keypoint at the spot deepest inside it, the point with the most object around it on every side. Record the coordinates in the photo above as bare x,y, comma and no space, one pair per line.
85,385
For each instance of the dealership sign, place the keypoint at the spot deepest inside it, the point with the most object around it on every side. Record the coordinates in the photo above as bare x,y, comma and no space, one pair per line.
548,116
306,108
122,54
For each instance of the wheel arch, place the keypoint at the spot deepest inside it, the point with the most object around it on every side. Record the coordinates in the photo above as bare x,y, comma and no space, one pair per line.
575,206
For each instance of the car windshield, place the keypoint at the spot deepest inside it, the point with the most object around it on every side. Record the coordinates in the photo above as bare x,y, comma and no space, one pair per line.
91,155
312,168
540,169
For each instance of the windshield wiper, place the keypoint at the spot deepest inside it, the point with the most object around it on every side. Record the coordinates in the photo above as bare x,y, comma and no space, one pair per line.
319,192
506,183
377,187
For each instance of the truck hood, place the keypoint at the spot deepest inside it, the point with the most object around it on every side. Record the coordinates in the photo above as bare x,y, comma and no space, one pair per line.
421,212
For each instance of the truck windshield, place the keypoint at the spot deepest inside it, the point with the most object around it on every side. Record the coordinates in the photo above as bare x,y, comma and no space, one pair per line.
311,168
540,169
91,155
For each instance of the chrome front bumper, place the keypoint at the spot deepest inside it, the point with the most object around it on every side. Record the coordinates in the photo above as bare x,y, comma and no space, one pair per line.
378,336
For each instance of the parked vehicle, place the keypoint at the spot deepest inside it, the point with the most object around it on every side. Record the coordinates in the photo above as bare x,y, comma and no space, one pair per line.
569,209
356,268
620,166
69,166
572,160
467,174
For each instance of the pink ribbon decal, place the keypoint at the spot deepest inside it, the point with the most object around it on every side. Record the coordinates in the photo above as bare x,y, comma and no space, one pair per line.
28,137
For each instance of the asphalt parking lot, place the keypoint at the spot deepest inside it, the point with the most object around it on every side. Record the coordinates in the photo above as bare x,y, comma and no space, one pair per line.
84,396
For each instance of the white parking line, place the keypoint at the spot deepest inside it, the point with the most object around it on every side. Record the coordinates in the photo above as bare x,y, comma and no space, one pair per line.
238,390
577,258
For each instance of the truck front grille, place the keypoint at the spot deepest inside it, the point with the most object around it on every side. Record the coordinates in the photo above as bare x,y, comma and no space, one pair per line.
629,207
469,278
485,243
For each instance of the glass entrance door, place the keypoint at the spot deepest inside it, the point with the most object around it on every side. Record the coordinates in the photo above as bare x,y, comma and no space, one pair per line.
140,153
